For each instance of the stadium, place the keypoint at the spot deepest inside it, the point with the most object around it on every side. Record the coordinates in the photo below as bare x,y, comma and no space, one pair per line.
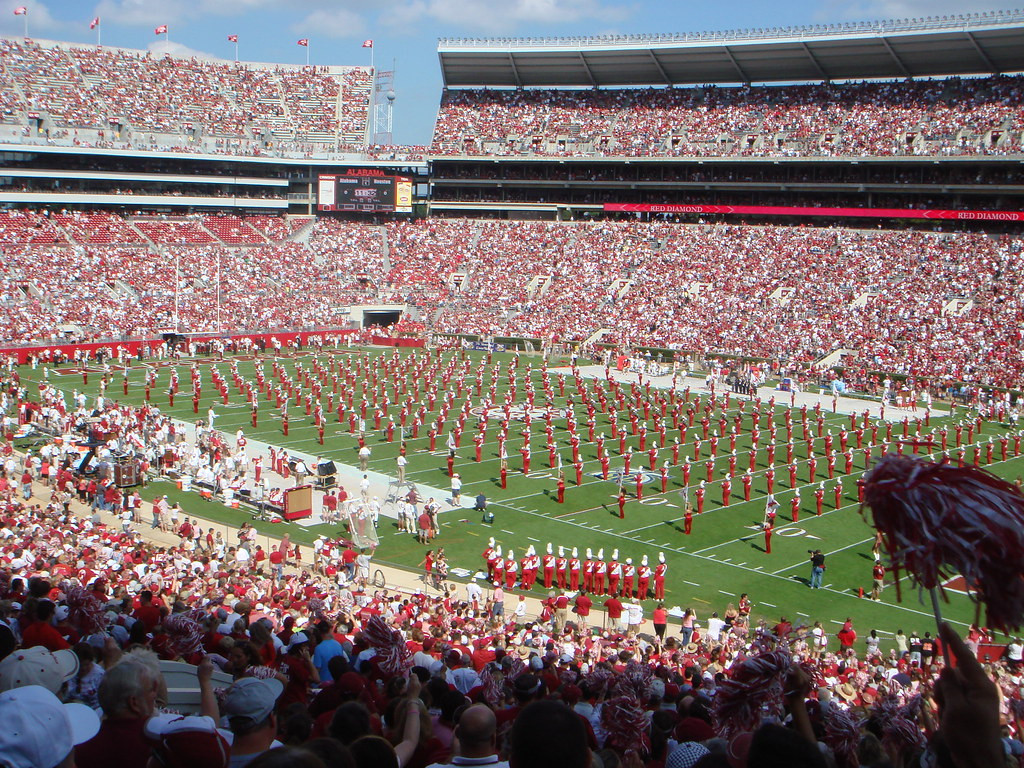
586,402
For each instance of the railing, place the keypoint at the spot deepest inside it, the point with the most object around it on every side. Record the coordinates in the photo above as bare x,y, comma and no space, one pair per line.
967,21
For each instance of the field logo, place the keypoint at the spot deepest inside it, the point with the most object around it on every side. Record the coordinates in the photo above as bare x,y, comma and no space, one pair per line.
518,413
616,476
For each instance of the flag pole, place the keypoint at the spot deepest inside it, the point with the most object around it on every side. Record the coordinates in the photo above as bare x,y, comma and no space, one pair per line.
236,51
99,32
307,53
25,14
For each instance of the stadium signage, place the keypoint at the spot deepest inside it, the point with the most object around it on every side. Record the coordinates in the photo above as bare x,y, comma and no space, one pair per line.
365,172
784,210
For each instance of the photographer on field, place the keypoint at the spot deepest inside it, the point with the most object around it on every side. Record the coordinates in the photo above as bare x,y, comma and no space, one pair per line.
817,567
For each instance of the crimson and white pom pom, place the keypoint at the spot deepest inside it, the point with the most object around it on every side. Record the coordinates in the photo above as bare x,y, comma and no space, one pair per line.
625,724
754,690
317,609
898,723
842,736
185,636
394,656
635,680
599,678
939,521
85,612
494,687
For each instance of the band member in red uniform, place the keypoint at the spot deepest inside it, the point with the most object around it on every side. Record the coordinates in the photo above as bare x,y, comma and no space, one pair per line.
575,568
688,519
659,577
548,566
628,577
600,572
643,578
561,568
622,505
726,491
614,573
819,498
794,507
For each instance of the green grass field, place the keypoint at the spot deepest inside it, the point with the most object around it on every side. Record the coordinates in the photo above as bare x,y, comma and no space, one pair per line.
723,557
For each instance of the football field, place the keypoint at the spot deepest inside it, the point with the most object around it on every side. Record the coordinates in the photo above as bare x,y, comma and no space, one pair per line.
724,554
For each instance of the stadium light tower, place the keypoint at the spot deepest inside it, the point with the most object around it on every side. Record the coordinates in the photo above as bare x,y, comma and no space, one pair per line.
383,106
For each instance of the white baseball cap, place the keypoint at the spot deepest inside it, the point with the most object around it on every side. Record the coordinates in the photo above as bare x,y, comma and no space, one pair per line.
39,731
37,666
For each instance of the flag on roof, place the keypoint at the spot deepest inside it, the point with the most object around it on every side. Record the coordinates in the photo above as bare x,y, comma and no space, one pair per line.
161,30
304,42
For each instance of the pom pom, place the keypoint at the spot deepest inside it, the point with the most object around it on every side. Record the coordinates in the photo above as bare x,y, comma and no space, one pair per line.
940,521
85,612
261,672
842,736
494,686
625,725
598,680
394,656
755,689
317,609
900,730
184,635
635,680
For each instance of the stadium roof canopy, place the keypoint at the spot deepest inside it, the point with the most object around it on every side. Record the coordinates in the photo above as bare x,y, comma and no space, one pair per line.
970,44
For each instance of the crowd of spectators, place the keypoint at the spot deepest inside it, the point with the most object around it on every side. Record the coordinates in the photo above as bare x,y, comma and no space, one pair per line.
906,302
941,117
939,305
159,100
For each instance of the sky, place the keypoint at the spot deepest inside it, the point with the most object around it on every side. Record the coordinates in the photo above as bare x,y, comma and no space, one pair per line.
405,32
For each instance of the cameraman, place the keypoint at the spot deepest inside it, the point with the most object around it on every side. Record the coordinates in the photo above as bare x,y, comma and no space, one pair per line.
817,567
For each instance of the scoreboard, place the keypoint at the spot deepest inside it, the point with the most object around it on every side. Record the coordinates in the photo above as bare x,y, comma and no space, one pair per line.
364,190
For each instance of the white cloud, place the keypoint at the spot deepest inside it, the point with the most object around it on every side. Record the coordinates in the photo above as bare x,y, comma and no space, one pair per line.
333,22
506,17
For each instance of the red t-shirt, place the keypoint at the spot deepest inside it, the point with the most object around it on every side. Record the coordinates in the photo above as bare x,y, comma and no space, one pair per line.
149,615
44,634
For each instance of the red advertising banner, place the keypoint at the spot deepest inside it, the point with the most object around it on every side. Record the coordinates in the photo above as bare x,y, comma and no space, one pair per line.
392,341
21,353
784,210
